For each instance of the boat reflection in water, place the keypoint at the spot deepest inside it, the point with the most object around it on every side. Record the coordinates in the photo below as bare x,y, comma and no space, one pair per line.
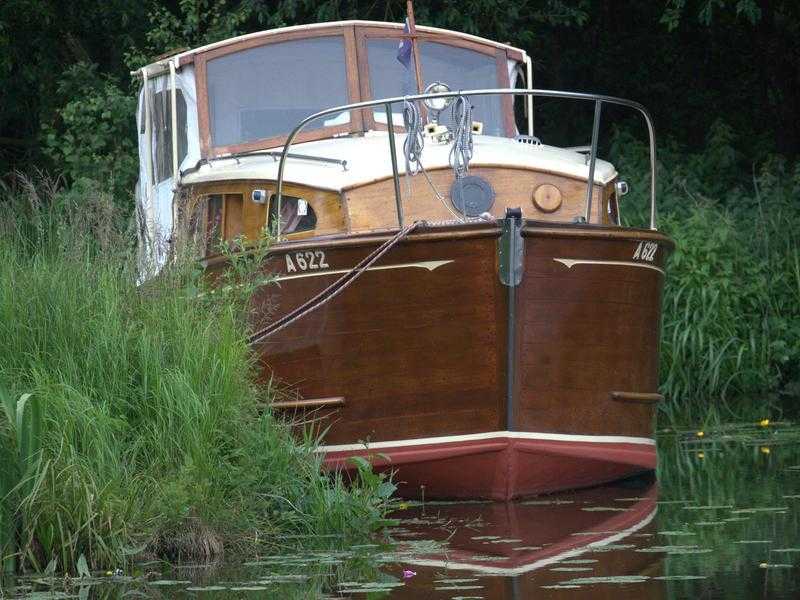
536,548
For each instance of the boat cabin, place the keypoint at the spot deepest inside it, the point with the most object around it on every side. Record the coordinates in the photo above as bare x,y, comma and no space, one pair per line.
213,121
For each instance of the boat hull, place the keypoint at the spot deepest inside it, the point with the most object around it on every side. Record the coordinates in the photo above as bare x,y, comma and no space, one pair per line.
501,465
431,366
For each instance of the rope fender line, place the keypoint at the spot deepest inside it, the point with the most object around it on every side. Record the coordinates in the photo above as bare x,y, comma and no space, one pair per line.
333,290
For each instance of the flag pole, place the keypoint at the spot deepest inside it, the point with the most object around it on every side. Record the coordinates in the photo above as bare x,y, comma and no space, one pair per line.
412,30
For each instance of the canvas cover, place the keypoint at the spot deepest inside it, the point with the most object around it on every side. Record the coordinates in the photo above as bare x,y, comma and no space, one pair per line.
156,188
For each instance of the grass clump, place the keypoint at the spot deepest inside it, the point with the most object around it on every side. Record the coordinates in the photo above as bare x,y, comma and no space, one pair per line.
155,438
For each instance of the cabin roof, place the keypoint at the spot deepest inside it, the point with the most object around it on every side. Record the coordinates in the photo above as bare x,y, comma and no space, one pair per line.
188,55
368,160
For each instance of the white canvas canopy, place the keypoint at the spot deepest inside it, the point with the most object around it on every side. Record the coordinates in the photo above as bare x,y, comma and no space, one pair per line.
169,142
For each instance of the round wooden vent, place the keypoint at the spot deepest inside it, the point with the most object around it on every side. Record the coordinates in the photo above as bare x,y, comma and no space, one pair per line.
547,198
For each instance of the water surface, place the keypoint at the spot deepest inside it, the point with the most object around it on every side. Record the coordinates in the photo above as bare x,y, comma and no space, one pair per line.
722,521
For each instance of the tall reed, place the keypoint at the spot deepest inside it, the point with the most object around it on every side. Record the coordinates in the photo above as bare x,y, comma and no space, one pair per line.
157,438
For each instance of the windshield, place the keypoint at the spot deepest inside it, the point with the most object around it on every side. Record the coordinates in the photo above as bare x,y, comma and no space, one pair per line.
265,91
459,68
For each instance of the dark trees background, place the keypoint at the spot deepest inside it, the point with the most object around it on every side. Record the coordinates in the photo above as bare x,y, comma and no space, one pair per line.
724,68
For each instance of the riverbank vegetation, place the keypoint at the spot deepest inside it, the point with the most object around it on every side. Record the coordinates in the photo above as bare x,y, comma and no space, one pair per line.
131,423
731,316
130,418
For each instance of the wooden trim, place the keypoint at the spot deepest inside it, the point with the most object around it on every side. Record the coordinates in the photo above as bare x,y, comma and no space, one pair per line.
278,141
515,54
256,38
310,403
353,78
459,231
637,397
202,107
277,38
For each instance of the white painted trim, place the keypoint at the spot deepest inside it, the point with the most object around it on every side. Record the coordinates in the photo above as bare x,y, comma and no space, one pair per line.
430,265
529,98
491,435
571,262
160,66
539,563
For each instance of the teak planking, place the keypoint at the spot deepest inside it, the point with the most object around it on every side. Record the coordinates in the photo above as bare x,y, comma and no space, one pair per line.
373,206
422,353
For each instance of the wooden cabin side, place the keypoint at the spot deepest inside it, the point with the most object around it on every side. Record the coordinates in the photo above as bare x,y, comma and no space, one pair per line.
229,212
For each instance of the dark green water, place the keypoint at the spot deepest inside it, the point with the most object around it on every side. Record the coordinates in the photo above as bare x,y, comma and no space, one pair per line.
722,521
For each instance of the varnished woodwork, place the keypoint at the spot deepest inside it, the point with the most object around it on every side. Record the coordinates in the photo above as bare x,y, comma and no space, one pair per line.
242,216
373,206
587,331
637,397
309,403
234,218
547,198
421,353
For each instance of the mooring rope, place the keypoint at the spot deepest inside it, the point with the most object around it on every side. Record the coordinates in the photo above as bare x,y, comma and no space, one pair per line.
333,290
461,151
415,139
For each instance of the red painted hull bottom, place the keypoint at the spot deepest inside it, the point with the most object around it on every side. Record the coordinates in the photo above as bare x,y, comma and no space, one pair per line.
501,467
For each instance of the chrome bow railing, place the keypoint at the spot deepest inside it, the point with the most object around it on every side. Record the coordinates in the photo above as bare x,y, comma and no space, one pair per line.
598,100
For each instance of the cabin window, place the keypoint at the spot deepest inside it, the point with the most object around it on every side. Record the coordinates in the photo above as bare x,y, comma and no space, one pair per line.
296,215
388,77
463,69
162,132
459,68
263,92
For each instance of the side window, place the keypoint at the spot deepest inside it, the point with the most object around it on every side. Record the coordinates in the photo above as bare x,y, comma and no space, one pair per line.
296,215
162,132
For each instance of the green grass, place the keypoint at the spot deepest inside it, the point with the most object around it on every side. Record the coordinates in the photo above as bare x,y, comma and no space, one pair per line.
731,320
155,440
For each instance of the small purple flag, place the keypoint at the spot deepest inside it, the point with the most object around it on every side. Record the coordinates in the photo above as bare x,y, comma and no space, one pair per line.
404,48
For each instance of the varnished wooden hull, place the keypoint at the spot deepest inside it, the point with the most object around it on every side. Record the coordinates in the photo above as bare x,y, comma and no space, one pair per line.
418,351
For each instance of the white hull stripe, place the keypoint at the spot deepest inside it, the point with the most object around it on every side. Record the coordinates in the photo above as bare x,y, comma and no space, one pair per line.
430,265
491,435
539,563
571,262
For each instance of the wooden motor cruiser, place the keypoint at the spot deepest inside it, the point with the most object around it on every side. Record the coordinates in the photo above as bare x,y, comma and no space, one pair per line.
456,301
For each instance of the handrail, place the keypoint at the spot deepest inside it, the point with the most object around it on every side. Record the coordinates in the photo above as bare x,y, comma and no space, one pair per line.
598,99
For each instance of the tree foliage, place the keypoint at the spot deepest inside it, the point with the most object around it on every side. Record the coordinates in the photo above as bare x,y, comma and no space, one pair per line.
702,66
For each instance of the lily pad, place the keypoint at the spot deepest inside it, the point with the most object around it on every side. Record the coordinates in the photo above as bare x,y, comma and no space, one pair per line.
206,588
616,579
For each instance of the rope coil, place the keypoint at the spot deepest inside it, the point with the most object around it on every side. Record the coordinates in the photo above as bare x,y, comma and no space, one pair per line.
415,139
461,151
